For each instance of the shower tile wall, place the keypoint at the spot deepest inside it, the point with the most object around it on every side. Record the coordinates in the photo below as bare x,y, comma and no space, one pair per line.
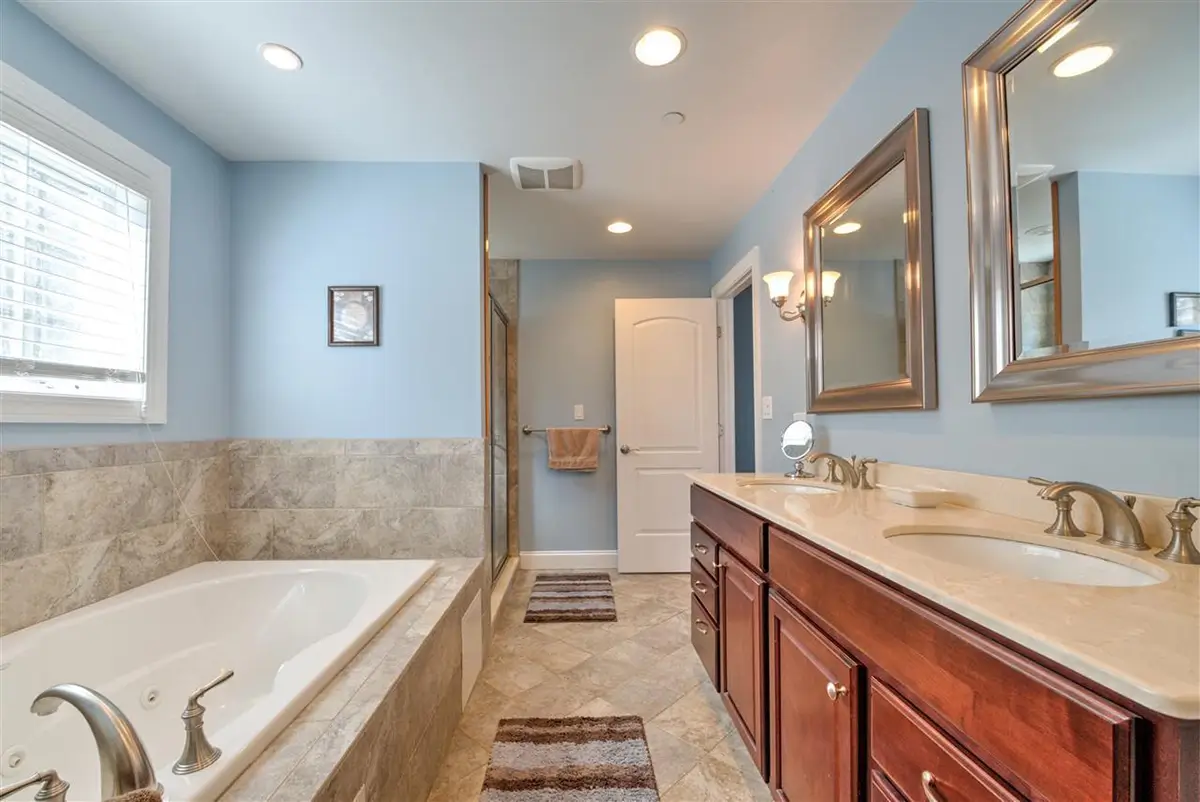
356,499
78,525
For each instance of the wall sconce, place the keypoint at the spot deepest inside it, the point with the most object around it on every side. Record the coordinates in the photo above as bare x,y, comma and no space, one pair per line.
779,282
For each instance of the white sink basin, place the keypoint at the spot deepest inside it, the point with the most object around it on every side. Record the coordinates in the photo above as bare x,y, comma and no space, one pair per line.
994,553
793,486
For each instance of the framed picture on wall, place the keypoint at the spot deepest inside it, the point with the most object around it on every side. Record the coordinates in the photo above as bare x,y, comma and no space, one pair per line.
1185,309
354,315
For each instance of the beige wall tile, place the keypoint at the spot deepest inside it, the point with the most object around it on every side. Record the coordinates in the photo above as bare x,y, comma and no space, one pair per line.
45,585
154,552
248,535
319,534
45,460
20,516
202,485
425,532
89,505
281,482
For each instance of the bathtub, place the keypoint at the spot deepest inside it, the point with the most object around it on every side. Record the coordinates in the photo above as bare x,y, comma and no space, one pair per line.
285,628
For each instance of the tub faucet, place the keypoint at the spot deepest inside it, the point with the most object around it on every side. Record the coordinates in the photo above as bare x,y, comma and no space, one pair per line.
54,788
1119,526
124,764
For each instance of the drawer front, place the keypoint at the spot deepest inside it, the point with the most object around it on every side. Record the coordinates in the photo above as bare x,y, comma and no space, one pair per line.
704,550
1046,736
704,641
920,760
738,530
882,789
704,588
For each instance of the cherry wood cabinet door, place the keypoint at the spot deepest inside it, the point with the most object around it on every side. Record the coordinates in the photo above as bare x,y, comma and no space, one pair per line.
813,692
742,598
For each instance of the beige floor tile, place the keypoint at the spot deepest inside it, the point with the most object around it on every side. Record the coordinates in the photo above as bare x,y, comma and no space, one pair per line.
733,752
558,657
465,756
599,708
694,720
594,638
711,780
672,758
483,713
641,697
556,697
668,636
600,673
513,675
464,789
635,654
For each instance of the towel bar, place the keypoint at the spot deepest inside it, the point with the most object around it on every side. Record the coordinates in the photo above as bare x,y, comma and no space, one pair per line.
526,429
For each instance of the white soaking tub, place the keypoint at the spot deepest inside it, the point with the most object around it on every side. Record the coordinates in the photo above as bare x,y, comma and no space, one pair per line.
285,628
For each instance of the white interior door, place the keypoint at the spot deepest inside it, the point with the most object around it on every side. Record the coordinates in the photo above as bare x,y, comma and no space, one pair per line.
666,365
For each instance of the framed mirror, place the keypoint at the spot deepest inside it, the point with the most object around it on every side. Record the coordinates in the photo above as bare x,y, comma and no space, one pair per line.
869,247
1083,173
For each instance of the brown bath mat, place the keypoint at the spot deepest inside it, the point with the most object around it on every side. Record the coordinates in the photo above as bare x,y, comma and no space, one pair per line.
570,760
571,597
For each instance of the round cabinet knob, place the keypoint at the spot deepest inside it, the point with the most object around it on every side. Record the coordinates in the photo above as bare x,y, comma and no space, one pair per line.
835,691
625,449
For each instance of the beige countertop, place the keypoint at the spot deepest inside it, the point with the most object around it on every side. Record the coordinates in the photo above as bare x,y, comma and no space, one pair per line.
1141,642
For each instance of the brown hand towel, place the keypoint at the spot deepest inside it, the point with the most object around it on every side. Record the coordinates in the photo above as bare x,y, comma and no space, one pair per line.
144,795
573,449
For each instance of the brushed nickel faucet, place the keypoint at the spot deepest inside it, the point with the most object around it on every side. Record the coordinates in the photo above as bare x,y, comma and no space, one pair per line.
1119,526
198,753
860,467
1181,549
1063,525
54,788
124,765
840,470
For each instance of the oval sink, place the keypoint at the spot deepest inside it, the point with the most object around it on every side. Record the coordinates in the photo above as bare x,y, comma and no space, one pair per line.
789,486
997,554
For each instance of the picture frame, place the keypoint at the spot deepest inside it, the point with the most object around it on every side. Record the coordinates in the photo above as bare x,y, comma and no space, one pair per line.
1184,310
354,315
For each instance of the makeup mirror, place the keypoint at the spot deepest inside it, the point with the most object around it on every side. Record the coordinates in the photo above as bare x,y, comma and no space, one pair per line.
797,441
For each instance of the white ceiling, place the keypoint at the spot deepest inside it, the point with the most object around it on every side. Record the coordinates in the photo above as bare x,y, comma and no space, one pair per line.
486,81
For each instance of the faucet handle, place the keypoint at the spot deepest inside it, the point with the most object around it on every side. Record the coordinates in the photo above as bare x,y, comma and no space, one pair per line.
1063,525
860,465
194,699
198,753
1181,549
54,788
1129,501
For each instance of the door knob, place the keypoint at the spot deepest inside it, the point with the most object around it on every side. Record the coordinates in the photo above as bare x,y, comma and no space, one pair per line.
835,691
625,449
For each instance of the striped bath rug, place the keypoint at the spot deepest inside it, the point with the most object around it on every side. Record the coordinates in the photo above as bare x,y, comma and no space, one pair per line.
571,597
570,760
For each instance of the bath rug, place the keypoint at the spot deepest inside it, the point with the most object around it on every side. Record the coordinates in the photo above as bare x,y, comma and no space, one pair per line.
571,597
570,760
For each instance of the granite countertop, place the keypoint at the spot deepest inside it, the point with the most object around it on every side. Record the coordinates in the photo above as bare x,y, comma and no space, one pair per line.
1141,642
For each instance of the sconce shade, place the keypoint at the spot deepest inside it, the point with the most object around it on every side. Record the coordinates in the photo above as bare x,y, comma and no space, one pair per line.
829,279
778,283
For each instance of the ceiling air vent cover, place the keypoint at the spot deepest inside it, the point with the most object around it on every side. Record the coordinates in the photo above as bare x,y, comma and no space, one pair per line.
546,173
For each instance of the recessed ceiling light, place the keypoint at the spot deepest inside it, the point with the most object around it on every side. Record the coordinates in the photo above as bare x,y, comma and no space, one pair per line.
659,46
280,57
1059,34
1085,59
620,227
848,227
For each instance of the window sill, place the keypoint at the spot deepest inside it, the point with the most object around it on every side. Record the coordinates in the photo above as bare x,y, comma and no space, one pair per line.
21,408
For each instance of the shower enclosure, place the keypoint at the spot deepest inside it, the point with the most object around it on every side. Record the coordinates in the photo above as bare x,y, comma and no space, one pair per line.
500,434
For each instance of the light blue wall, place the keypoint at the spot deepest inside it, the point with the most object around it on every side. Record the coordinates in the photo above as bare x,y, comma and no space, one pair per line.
565,357
1140,240
743,381
413,229
198,356
1137,444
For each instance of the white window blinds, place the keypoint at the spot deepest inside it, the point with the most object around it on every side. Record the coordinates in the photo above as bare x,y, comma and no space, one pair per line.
73,276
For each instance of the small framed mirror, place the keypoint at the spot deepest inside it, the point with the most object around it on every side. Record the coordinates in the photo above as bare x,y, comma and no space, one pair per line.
1083,173
869,247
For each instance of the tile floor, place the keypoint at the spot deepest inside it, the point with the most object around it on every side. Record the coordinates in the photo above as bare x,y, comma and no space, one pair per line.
642,664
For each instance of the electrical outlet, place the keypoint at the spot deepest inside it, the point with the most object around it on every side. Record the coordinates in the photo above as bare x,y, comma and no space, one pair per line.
579,412
768,411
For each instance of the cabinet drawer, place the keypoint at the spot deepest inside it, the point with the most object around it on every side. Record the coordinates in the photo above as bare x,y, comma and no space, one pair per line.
704,588
704,641
1046,736
704,549
738,530
920,760
882,789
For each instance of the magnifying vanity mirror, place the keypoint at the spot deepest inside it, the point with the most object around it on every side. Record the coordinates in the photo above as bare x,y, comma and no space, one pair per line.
796,444
1083,118
869,248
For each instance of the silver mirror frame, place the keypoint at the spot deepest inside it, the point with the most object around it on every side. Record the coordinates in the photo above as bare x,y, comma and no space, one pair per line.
1160,366
908,143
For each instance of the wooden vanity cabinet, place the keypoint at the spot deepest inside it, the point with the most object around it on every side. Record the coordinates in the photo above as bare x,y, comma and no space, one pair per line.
924,691
742,596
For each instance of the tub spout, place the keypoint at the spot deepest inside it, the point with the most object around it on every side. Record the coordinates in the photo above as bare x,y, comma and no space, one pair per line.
124,764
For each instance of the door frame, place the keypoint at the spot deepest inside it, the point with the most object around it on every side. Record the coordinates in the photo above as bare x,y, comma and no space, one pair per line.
746,273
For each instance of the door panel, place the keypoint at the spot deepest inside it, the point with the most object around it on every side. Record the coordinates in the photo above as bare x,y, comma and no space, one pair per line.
741,600
666,388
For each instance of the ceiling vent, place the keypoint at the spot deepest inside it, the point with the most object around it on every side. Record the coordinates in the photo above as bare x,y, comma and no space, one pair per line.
546,173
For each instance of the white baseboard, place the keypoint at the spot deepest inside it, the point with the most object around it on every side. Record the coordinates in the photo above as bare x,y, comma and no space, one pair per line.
567,560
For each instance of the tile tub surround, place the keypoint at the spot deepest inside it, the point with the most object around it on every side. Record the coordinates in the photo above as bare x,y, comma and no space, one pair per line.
383,725
78,525
1141,642
356,499
642,665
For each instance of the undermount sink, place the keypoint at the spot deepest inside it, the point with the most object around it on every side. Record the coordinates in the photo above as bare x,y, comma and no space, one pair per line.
997,554
782,485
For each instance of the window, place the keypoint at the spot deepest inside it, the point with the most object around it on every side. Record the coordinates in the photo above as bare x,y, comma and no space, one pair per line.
83,265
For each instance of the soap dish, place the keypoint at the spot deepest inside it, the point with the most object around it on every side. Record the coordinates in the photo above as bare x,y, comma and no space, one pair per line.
916,496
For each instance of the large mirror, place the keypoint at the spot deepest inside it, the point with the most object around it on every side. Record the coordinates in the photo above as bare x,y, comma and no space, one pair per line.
869,249
1083,155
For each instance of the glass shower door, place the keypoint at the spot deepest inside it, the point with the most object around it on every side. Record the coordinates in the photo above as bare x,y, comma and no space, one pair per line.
499,455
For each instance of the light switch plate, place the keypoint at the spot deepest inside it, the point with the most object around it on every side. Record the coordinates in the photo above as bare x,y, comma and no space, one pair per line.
768,411
579,412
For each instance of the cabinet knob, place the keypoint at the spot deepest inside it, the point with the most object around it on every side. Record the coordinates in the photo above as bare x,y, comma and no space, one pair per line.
835,691
700,586
931,793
